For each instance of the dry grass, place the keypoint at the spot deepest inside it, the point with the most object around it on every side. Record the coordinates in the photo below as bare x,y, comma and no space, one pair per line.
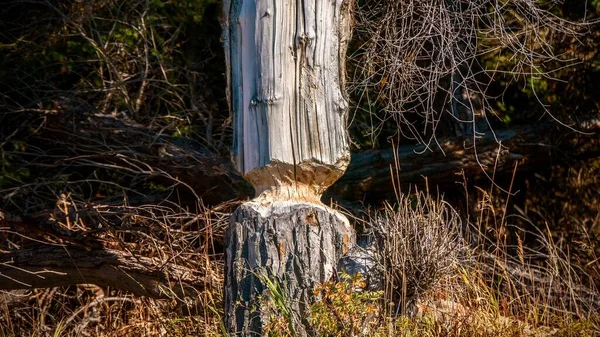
91,311
453,288
488,287
418,243
170,234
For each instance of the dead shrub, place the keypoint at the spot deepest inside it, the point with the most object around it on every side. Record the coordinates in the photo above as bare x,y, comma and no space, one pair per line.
418,242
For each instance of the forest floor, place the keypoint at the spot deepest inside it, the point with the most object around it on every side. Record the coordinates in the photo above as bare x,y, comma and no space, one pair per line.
501,290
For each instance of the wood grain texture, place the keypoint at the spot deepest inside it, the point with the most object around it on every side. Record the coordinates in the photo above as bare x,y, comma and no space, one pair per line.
295,244
286,78
55,266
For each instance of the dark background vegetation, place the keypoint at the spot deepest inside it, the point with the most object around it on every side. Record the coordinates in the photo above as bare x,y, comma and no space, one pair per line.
122,103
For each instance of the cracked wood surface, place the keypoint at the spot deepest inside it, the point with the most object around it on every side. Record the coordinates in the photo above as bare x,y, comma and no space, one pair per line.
296,245
286,78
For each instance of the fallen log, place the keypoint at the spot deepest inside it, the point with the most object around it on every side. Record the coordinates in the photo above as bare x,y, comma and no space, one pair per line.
369,175
54,266
136,153
39,251
135,150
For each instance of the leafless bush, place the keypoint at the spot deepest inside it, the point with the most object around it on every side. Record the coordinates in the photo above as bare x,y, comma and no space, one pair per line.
419,59
426,258
418,244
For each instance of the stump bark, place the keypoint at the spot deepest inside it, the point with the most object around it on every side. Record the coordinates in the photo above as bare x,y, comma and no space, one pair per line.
296,246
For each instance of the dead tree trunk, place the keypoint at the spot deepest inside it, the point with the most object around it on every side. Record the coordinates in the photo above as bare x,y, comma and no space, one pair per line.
285,63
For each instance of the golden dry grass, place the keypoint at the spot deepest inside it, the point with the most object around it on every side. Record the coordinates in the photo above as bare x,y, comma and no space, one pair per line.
496,289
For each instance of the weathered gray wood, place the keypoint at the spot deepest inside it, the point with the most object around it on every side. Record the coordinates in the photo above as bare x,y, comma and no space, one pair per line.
286,78
362,259
45,266
295,244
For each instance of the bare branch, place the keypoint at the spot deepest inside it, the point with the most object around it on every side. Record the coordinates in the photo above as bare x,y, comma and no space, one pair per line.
420,59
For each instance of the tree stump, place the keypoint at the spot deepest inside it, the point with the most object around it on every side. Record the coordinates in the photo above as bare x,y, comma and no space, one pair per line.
295,245
285,70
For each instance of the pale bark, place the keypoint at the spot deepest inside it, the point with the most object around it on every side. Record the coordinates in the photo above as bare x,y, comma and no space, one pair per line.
286,77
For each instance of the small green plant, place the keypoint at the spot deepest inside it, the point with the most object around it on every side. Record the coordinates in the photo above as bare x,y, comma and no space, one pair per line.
277,305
